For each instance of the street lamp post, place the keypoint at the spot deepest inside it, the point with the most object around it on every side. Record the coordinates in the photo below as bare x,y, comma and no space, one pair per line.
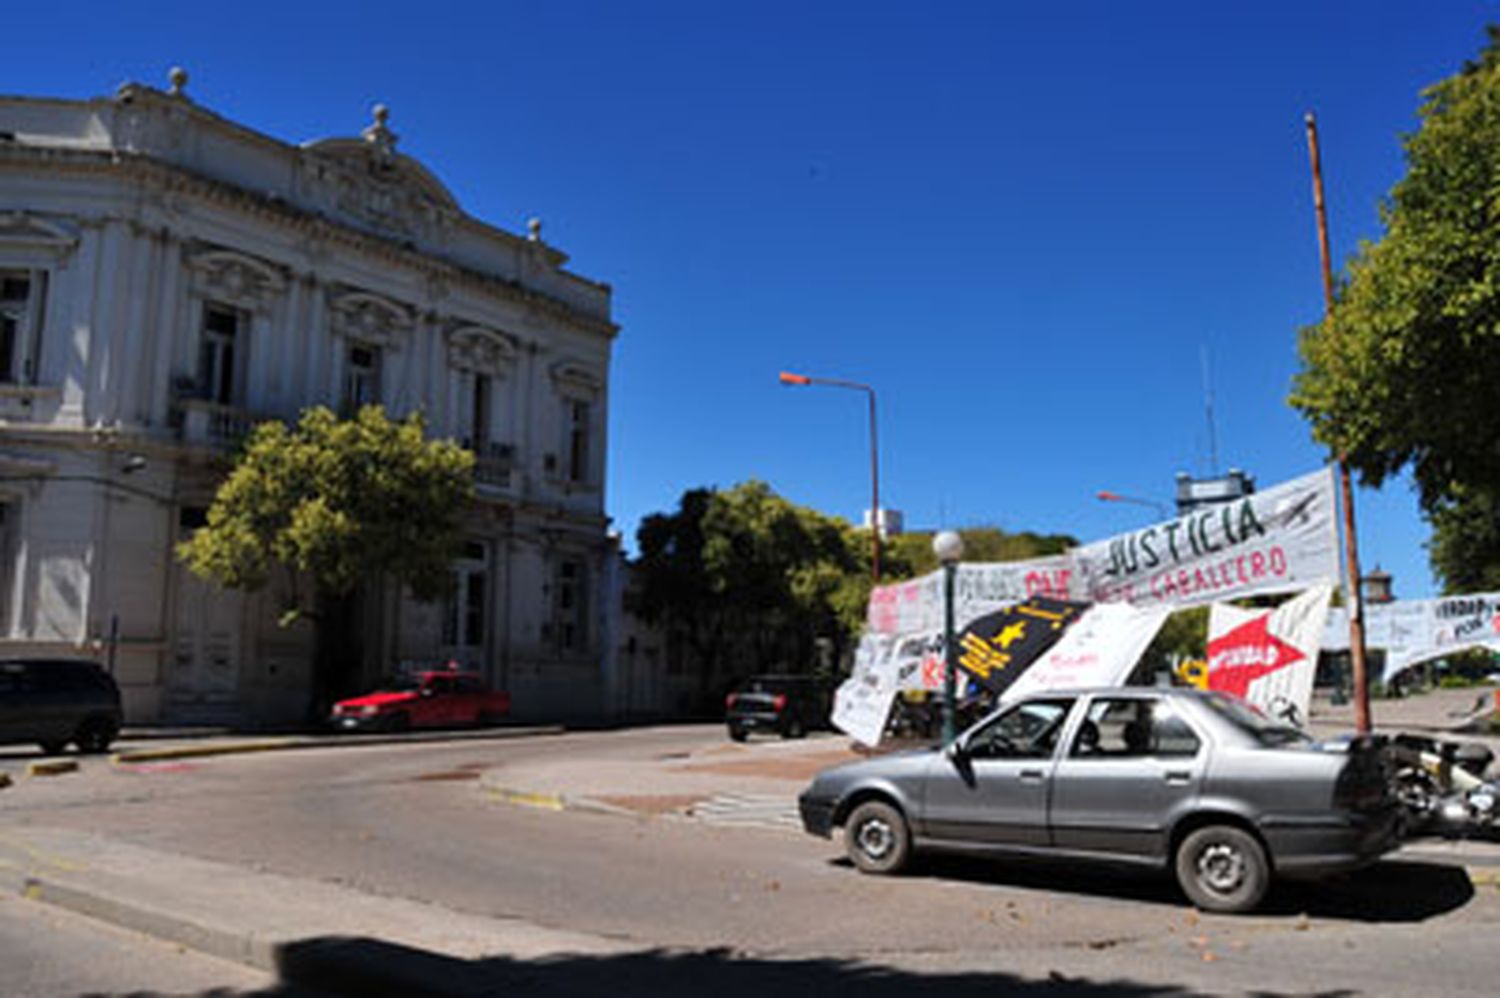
796,380
1161,508
949,548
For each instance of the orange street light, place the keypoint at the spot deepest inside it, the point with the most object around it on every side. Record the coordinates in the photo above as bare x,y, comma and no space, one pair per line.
802,380
1107,496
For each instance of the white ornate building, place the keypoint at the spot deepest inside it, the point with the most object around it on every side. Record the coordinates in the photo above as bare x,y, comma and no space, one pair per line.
167,277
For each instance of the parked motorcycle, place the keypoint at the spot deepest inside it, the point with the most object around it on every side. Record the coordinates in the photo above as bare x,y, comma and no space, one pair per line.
1443,787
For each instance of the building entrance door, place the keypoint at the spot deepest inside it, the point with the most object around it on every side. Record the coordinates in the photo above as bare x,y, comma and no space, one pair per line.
203,680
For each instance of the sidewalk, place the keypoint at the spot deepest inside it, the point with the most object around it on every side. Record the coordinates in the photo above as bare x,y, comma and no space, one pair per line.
308,932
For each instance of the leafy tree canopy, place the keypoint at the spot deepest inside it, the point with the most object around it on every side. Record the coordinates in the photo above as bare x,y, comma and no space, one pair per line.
1400,374
340,500
748,579
1465,544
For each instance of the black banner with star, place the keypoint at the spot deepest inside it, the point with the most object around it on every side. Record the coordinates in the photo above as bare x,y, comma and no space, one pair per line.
997,647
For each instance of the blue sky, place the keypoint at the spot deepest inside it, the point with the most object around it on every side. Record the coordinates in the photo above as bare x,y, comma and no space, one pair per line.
1026,224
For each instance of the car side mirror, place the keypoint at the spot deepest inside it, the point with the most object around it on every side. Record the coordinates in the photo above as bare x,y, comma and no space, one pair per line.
427,691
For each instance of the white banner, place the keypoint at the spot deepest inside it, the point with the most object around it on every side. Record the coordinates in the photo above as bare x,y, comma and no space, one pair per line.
978,589
1414,631
862,702
1101,648
1279,540
1269,657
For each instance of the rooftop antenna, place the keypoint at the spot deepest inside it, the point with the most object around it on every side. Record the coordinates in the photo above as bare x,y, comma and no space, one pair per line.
1208,405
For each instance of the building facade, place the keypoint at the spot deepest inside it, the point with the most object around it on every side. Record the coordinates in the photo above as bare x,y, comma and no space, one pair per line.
168,278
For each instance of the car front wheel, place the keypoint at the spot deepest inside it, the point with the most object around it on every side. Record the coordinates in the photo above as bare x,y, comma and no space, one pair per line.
1223,868
877,838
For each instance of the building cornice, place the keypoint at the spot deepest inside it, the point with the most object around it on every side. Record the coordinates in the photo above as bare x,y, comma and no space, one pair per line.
172,178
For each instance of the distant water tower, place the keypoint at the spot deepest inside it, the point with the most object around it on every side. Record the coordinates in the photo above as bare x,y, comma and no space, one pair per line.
892,522
1376,587
1195,493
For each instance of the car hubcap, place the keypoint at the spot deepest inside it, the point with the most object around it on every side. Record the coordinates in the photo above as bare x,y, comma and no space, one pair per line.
875,839
1221,867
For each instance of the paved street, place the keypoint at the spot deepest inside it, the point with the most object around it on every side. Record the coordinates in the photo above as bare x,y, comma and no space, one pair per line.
416,845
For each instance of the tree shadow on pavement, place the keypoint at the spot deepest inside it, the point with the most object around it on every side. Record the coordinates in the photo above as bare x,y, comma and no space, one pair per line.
363,966
1392,891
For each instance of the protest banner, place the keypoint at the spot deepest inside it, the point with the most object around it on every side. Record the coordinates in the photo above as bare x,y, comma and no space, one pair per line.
1269,657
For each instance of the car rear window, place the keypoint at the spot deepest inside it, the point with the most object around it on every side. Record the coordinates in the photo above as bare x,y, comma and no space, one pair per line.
1257,725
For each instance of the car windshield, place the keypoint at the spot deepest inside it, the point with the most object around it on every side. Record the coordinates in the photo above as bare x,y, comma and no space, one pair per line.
1249,719
398,684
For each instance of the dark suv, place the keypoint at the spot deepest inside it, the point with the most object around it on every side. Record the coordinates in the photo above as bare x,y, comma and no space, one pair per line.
786,705
56,701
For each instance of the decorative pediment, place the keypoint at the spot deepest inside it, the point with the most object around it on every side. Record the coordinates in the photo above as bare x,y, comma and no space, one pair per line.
369,318
367,181
480,350
577,374
23,230
233,277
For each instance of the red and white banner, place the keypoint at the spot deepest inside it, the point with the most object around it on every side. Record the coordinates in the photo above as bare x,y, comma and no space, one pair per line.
1279,540
1100,649
1269,657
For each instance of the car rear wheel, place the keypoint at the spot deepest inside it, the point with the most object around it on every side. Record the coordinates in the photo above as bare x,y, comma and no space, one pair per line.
738,733
877,838
95,734
1223,868
53,747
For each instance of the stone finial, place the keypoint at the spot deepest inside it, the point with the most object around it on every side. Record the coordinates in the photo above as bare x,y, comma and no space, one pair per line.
379,136
534,229
178,77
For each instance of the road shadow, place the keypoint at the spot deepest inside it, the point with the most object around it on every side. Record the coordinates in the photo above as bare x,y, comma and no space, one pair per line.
363,966
1392,891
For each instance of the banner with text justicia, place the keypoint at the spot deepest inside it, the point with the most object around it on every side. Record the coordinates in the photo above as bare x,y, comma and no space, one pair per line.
1281,539
1278,540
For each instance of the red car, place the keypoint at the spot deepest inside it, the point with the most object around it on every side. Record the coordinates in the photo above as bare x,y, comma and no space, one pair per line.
436,699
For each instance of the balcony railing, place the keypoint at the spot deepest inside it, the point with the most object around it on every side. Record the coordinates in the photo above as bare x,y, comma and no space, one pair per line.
492,463
211,424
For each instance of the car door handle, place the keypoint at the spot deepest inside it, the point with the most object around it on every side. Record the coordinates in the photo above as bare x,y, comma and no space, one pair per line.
1031,776
1178,777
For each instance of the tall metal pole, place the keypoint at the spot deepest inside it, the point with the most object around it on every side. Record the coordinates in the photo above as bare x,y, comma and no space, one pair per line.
948,545
950,650
788,378
875,523
1346,489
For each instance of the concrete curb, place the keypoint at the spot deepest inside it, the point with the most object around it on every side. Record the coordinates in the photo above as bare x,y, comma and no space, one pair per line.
302,931
54,768
544,801
329,741
219,941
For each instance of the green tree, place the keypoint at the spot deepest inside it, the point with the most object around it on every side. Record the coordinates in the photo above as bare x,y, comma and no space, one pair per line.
745,581
342,502
1396,377
1465,544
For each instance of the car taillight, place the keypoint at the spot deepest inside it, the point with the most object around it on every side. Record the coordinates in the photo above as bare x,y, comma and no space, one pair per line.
779,701
729,701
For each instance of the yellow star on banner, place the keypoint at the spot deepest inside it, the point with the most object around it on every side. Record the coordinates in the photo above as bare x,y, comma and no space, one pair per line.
1015,632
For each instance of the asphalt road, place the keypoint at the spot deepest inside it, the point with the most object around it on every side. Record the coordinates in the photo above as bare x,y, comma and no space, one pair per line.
735,909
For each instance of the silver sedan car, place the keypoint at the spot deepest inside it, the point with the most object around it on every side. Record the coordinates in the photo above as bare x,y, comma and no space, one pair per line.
1198,783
